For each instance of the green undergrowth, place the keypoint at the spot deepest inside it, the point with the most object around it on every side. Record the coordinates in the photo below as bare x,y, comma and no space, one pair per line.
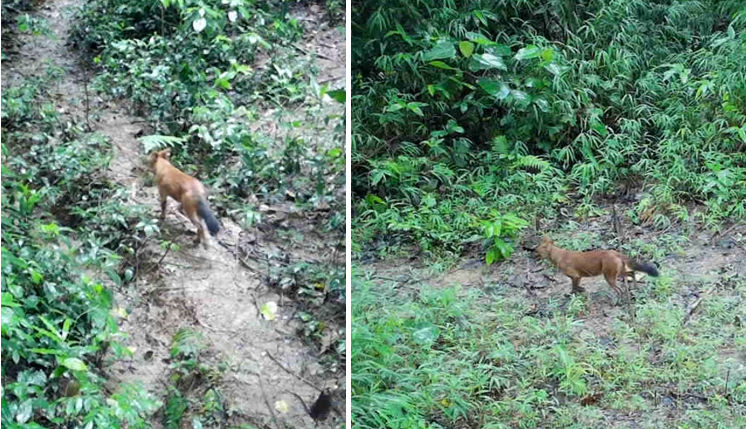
462,357
65,229
464,108
194,397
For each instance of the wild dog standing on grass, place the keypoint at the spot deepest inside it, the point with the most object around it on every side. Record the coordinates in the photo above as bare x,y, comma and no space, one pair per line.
577,265
185,189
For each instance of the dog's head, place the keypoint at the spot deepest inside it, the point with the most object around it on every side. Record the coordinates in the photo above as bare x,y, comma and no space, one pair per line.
163,154
545,246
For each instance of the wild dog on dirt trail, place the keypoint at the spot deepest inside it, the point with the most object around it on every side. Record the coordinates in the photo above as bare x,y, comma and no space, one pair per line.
185,189
577,265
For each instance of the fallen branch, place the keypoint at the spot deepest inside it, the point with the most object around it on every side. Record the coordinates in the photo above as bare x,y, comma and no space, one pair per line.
330,79
266,401
693,308
723,233
322,56
293,374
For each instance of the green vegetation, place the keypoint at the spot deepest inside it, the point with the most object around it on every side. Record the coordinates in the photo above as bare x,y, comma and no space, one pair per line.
194,394
64,228
457,357
70,235
463,108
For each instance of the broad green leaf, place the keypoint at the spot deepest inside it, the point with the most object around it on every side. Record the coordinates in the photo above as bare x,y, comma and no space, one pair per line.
7,256
480,16
479,39
491,86
500,50
466,48
554,69
504,92
396,107
542,104
442,50
338,94
376,177
520,96
223,83
504,248
74,364
547,54
489,230
497,89
527,53
486,62
24,411
491,256
442,65
36,277
8,301
415,107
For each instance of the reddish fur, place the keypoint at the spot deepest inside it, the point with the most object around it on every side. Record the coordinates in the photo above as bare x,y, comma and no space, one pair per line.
180,186
576,265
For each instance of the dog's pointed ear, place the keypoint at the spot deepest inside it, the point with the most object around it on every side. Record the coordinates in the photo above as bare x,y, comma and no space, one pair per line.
546,239
165,154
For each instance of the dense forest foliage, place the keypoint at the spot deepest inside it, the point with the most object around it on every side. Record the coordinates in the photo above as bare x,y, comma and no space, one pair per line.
72,236
465,112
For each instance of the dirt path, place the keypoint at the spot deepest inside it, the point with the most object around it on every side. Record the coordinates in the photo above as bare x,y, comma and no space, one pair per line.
207,291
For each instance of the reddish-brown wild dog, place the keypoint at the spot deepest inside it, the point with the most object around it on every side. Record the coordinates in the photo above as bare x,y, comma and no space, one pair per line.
185,189
576,265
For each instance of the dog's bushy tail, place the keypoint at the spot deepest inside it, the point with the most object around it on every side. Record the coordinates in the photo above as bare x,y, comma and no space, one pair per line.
643,267
204,212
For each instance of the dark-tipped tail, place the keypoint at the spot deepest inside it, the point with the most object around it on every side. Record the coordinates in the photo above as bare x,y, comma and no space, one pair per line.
203,210
643,267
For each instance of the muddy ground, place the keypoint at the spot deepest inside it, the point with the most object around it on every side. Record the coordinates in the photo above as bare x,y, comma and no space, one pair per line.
216,293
